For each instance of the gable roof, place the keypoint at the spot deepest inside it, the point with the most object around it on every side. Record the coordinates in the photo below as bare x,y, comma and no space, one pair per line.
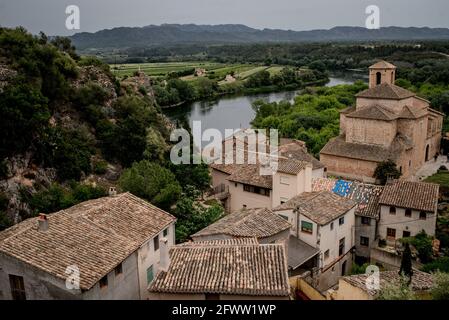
386,91
365,195
321,207
375,112
412,113
382,64
258,223
296,150
250,174
409,194
421,281
237,269
376,153
292,166
96,235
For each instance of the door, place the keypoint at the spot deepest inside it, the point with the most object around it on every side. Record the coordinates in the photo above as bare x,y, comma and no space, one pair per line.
343,268
17,287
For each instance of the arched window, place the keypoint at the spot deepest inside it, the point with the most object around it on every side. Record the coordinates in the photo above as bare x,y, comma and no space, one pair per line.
378,78
392,77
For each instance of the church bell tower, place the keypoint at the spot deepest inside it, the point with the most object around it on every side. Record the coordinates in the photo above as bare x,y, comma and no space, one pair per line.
381,72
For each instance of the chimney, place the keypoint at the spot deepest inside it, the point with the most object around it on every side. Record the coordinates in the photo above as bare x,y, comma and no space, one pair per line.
112,191
164,262
42,222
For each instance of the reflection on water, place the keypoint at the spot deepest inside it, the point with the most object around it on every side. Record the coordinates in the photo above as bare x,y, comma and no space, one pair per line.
232,112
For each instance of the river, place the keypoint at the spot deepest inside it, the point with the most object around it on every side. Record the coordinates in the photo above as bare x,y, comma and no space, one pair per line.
236,111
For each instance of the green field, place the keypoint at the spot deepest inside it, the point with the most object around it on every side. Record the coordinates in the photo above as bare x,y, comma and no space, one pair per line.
160,69
214,70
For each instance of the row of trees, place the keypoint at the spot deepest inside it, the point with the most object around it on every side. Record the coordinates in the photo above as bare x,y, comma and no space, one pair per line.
177,91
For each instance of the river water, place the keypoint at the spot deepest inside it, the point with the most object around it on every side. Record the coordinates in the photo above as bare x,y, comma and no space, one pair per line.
236,111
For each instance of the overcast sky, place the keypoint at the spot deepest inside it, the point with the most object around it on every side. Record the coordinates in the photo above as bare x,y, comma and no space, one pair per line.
49,15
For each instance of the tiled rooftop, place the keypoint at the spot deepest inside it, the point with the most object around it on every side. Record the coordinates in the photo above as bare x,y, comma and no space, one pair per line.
386,91
414,195
339,147
95,235
234,269
365,195
258,223
321,207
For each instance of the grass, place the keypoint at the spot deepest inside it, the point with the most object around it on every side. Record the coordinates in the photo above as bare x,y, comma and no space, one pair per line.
441,178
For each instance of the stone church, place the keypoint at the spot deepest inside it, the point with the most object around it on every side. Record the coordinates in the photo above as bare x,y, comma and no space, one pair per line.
387,122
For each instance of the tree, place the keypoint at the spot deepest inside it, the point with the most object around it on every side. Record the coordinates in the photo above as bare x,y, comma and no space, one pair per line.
406,263
440,289
397,291
193,216
386,170
134,116
151,182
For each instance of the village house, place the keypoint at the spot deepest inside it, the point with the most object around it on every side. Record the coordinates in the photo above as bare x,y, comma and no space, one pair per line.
259,223
200,72
230,78
246,186
355,287
387,123
232,269
406,209
386,214
324,221
367,212
113,242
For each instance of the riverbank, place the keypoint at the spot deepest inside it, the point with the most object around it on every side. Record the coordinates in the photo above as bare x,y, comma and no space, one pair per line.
244,91
233,111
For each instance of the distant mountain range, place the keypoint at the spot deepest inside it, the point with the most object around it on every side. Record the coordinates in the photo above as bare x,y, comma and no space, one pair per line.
167,34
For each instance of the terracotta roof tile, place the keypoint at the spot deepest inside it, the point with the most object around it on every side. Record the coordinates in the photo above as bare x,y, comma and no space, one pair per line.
250,270
408,194
386,91
258,223
365,195
320,206
291,166
339,147
375,112
295,150
95,235
382,65
250,174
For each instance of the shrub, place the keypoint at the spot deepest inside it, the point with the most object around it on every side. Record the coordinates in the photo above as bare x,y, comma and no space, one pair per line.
100,167
385,170
151,182
440,290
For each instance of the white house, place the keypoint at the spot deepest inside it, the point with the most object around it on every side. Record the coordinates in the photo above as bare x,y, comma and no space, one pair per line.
406,209
324,221
107,248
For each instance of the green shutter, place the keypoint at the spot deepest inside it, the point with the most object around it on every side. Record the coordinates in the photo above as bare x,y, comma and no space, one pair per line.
306,227
150,274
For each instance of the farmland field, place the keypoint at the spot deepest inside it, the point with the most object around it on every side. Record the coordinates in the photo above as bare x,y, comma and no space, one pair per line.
214,69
